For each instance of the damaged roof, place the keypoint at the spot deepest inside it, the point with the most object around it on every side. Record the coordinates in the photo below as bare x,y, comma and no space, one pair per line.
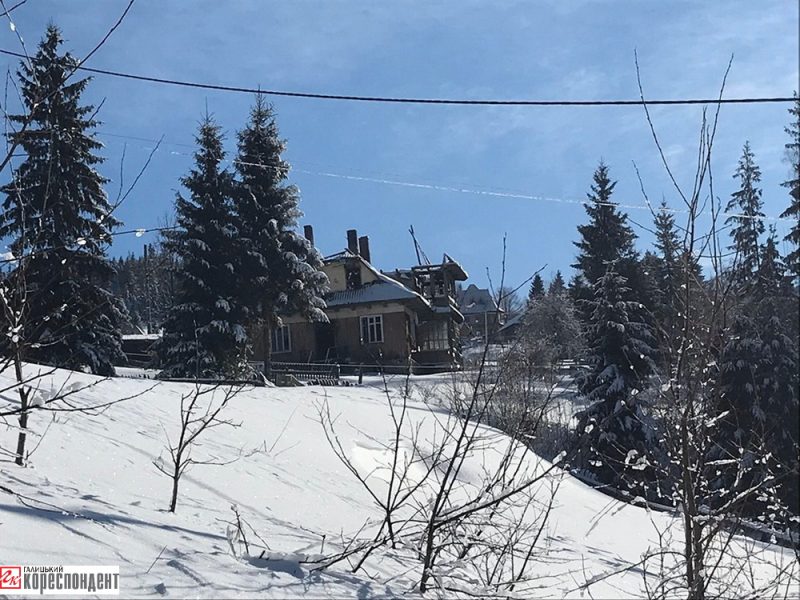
384,289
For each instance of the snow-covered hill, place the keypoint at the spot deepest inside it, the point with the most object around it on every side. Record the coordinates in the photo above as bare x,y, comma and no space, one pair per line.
91,495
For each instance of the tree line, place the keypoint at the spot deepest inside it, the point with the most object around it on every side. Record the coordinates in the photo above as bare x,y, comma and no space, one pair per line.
684,369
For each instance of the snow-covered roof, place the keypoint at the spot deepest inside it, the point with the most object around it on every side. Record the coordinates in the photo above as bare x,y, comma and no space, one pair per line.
475,300
376,291
512,322
449,260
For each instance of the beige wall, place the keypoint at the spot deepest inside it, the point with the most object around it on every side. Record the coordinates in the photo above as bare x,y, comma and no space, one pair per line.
336,275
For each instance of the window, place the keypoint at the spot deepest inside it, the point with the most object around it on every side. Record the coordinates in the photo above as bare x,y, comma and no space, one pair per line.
352,275
371,329
435,336
281,340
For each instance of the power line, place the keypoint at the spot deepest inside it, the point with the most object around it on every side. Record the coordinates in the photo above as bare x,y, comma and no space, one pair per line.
82,241
403,100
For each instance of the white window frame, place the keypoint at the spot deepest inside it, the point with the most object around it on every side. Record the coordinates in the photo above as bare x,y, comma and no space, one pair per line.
282,334
372,329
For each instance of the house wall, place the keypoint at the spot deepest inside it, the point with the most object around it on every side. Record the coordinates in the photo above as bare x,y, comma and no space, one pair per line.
398,323
303,343
394,348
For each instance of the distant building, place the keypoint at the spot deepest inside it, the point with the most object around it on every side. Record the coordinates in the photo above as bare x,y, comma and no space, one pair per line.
482,315
510,330
138,348
377,318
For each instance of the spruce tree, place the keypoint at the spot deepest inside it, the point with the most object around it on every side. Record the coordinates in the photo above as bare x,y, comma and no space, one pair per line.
205,330
607,238
746,220
667,242
777,315
557,286
58,219
620,355
578,290
793,210
759,391
280,271
536,290
665,272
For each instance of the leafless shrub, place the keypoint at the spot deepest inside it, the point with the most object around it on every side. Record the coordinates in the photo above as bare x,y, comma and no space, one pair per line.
468,531
200,411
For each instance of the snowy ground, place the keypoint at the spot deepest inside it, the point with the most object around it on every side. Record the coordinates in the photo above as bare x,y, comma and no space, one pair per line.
92,496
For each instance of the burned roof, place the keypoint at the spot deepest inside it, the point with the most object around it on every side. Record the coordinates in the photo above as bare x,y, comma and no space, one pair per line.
383,289
456,271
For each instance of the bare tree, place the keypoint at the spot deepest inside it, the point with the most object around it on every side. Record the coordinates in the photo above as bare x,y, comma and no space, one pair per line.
200,411
461,529
712,559
510,302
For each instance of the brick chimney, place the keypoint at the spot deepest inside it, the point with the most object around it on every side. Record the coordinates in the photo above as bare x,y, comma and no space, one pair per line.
308,233
363,248
352,241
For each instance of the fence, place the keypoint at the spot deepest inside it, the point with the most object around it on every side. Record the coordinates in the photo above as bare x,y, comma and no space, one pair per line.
312,372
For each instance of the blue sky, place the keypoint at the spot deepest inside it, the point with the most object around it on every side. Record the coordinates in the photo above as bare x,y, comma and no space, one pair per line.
535,49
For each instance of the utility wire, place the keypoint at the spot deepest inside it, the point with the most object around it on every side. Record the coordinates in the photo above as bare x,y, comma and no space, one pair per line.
81,241
440,101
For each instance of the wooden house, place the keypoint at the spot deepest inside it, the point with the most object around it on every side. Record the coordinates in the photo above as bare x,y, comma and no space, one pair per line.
407,316
481,312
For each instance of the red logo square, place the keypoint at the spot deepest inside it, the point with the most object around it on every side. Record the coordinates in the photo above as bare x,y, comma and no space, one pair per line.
10,578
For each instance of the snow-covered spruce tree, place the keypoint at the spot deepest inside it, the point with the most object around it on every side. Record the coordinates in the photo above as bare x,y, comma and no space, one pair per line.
746,222
606,238
793,183
615,436
557,286
58,219
205,330
757,442
280,272
666,275
536,290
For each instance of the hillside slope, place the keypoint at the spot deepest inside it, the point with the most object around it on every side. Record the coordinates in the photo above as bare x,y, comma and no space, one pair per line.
91,495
